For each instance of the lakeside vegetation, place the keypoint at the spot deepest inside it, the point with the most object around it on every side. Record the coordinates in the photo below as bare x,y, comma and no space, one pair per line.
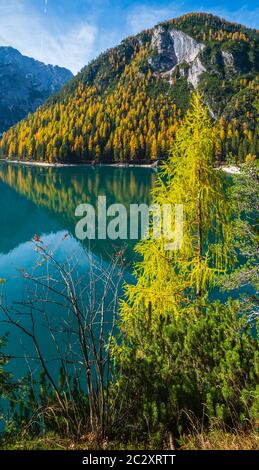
183,370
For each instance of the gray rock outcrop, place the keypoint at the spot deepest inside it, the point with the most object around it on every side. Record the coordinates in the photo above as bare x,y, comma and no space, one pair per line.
25,84
172,48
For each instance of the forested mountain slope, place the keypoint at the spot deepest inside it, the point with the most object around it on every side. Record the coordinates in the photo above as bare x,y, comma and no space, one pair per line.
126,104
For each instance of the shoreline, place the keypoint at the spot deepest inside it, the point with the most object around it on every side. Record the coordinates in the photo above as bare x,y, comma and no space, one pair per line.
87,164
230,169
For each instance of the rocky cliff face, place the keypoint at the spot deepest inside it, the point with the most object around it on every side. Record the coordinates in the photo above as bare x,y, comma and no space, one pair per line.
25,84
172,48
176,48
228,61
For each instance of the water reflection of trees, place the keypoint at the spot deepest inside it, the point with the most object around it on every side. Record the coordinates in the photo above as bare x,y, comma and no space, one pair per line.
61,190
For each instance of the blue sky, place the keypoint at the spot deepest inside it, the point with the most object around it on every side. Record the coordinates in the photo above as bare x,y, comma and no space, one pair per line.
69,33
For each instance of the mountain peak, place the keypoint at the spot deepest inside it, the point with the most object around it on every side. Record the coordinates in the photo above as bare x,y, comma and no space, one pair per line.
25,83
127,103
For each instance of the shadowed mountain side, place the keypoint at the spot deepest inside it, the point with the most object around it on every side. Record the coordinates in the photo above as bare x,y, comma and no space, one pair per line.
25,84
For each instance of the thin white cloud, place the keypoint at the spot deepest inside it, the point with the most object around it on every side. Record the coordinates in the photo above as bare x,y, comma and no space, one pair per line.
243,15
145,16
36,36
72,50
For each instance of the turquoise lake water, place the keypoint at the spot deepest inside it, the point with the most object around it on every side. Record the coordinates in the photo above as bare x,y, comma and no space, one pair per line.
42,201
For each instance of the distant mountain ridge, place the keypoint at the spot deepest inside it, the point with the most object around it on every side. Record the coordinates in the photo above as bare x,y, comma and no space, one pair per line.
126,104
25,84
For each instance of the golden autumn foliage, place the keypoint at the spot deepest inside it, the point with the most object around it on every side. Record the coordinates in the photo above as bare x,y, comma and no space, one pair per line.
178,281
119,108
128,124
